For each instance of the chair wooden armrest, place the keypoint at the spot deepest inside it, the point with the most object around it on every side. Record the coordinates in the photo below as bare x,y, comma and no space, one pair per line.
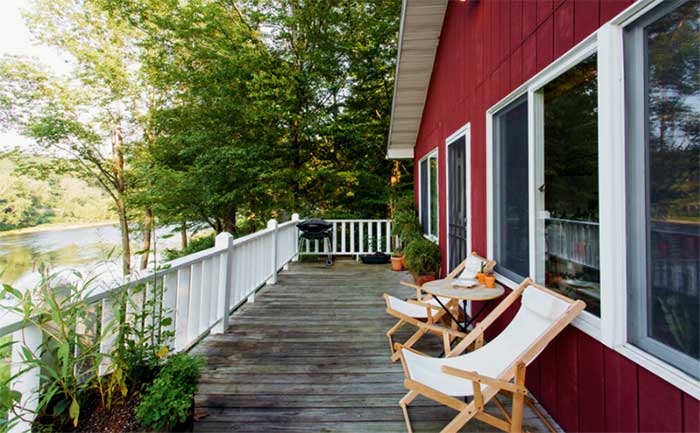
442,330
419,291
399,346
486,380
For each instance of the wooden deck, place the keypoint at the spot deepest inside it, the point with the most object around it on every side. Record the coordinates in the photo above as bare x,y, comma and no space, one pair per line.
310,355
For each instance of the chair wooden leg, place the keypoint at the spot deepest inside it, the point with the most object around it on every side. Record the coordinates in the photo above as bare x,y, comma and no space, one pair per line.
501,408
391,333
516,424
460,420
404,402
540,415
409,343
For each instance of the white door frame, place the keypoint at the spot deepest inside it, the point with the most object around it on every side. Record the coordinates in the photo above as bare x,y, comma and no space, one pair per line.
464,131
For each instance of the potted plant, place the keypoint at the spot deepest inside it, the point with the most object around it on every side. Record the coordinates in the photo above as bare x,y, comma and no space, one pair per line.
490,280
396,260
481,275
423,260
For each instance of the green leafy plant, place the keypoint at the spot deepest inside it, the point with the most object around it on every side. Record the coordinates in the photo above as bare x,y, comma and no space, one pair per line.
168,400
423,257
70,355
196,244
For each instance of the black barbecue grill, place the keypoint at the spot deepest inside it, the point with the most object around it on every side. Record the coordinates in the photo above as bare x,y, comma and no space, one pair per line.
315,229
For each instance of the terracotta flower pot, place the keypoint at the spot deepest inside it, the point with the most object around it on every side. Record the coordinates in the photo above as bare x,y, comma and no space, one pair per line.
481,277
397,263
490,281
422,279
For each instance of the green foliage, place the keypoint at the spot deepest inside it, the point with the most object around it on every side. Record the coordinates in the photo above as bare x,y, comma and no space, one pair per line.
405,220
71,356
196,244
168,400
423,257
31,197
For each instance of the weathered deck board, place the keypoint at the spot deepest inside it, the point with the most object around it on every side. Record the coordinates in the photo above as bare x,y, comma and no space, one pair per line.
311,355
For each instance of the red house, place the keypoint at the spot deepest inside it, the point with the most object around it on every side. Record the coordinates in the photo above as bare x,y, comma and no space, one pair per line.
561,138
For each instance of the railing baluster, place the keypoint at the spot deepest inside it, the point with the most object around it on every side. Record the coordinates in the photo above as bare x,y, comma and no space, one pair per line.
27,383
352,237
343,231
204,297
169,300
109,330
182,311
195,302
362,237
388,237
334,248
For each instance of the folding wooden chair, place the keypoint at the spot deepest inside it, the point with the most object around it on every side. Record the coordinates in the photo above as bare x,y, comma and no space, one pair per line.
422,315
497,367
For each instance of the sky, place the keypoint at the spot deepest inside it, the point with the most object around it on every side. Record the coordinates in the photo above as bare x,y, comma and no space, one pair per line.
16,39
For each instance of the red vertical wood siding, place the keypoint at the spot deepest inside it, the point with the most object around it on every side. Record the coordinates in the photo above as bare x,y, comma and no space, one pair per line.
486,50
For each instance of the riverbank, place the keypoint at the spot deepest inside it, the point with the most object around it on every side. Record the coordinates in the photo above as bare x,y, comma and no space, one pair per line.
55,226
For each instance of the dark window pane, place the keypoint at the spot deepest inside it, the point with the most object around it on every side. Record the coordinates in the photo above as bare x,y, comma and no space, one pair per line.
673,213
571,244
511,250
433,197
424,195
663,148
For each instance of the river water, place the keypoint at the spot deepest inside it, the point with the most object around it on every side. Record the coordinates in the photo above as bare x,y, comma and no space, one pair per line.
93,251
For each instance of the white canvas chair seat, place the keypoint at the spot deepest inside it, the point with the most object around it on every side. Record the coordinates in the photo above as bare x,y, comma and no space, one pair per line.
433,301
537,313
407,308
413,309
497,367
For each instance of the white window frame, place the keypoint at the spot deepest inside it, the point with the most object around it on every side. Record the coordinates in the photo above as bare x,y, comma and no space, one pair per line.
464,131
427,156
611,328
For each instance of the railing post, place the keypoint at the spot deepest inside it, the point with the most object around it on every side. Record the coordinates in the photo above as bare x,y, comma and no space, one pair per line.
272,224
27,383
224,240
295,218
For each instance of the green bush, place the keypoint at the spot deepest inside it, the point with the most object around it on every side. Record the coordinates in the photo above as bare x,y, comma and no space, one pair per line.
168,401
423,257
195,245
406,225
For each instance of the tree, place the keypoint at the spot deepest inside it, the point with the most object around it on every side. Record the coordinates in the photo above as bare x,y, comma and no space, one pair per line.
92,116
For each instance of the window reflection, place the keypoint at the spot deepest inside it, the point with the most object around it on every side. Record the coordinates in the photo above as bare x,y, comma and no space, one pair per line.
570,192
673,212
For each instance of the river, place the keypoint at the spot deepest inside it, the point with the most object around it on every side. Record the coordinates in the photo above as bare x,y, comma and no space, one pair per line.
93,251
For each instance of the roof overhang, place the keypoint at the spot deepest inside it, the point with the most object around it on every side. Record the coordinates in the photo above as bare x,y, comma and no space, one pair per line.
421,23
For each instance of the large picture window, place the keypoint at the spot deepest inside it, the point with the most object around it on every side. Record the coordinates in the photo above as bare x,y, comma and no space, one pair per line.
429,195
510,191
663,158
567,236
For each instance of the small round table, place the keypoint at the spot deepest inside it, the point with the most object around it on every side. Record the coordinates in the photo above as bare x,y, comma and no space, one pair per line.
444,289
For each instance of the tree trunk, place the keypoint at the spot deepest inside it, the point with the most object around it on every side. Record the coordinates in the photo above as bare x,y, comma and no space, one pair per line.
124,228
183,235
120,187
147,233
229,223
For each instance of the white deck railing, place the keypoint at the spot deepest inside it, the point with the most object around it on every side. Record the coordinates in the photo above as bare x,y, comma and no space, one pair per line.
352,238
199,292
